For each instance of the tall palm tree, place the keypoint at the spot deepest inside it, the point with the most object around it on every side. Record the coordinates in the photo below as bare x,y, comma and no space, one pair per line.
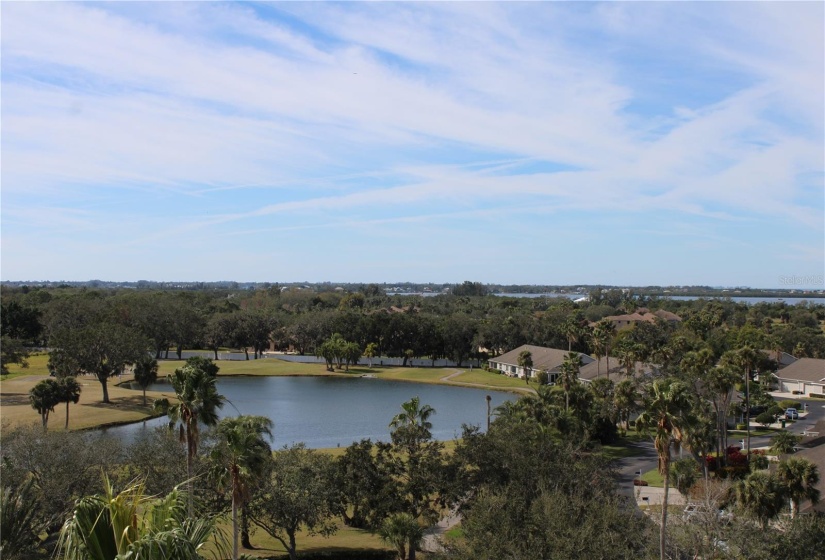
761,496
525,362
242,456
626,397
146,373
569,375
572,331
69,392
198,403
44,397
666,403
131,524
744,358
605,332
800,477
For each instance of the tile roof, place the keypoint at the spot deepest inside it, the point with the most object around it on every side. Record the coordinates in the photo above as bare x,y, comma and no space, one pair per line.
592,370
810,370
547,359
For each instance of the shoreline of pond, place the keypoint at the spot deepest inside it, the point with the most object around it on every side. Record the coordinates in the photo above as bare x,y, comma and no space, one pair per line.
130,384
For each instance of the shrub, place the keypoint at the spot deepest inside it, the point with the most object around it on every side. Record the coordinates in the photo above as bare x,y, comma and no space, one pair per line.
637,482
759,461
817,395
796,392
766,419
775,411
787,403
741,426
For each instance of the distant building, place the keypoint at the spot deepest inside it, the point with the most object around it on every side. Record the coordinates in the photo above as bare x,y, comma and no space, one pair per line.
642,315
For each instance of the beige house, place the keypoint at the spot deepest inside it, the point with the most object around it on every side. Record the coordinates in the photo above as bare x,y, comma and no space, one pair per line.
806,376
546,359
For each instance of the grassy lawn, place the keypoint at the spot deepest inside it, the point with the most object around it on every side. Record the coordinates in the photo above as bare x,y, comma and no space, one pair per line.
346,538
755,432
37,366
490,379
653,478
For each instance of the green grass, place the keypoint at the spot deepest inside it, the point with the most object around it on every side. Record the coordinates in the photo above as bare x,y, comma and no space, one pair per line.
755,432
37,366
653,478
490,379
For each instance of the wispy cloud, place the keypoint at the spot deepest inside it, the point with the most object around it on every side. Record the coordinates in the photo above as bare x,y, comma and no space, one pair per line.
203,122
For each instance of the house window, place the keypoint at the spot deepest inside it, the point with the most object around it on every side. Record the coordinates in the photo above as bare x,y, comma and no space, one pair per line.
512,369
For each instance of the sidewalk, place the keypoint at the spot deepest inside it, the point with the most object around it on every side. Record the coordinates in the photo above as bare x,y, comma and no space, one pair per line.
653,496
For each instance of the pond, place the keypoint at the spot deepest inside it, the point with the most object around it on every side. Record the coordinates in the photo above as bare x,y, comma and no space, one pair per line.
335,411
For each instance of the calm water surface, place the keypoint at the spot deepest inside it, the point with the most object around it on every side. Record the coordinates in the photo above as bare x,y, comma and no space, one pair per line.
332,411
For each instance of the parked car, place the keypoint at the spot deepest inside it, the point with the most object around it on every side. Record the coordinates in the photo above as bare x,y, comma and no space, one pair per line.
791,414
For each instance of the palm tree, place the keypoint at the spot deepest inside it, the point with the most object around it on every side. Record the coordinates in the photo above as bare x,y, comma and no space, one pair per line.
625,398
784,442
605,331
665,405
744,358
800,477
44,397
370,351
146,373
69,392
242,456
402,530
198,403
569,374
413,424
414,415
572,331
525,362
20,520
131,524
761,496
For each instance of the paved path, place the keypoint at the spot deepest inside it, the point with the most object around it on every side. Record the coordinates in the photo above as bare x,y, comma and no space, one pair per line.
432,536
457,372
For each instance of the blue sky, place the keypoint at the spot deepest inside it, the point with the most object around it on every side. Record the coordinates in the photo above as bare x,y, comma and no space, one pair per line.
531,143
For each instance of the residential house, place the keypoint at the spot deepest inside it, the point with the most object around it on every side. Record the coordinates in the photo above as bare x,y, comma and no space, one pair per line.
806,376
594,370
546,359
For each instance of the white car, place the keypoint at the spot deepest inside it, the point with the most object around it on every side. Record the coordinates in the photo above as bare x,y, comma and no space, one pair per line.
791,414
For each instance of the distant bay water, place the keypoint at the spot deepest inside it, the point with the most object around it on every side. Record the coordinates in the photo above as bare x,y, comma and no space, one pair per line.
739,299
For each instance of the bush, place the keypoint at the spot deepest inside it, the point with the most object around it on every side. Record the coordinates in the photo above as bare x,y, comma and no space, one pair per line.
817,395
775,411
637,482
766,419
741,426
759,461
787,403
796,392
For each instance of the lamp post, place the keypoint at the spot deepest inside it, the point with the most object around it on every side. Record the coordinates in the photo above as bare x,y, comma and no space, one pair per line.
489,398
